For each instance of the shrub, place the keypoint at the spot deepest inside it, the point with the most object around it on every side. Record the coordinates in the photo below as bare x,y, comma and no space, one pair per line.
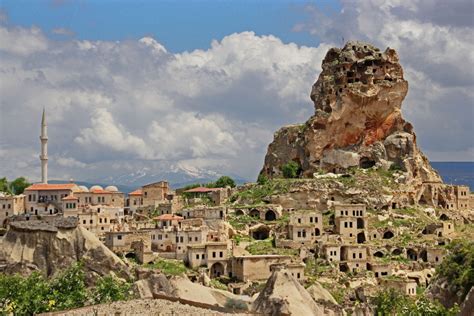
291,169
235,304
262,179
110,289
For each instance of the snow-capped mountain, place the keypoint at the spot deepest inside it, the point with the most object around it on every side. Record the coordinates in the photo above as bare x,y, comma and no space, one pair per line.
177,175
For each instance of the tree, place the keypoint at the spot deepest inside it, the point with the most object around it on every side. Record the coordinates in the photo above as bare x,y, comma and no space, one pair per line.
19,185
4,187
291,169
225,181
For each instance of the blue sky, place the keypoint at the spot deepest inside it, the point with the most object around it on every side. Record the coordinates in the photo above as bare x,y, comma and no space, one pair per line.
179,25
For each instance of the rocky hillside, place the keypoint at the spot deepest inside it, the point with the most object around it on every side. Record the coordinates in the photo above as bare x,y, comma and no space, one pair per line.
357,121
51,245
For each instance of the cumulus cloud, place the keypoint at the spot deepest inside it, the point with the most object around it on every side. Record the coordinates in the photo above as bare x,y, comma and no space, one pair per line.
133,105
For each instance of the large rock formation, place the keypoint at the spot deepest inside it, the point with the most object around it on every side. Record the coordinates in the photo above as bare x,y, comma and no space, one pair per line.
284,295
357,120
52,245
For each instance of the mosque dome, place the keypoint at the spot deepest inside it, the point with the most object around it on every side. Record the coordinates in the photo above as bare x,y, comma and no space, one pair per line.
83,188
111,188
96,188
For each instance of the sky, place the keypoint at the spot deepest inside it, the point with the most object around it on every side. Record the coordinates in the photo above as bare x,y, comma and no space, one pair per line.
203,85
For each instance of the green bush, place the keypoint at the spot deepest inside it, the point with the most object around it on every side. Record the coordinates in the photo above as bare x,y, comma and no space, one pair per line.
392,302
262,179
35,294
110,289
235,304
291,169
458,267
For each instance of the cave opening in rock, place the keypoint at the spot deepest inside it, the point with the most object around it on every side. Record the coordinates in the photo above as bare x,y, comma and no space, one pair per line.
388,234
261,233
366,163
378,254
270,215
254,213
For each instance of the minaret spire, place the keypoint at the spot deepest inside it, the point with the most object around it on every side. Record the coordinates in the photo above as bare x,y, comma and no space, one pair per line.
44,149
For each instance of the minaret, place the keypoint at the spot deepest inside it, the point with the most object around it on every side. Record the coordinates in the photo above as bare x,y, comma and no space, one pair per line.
44,149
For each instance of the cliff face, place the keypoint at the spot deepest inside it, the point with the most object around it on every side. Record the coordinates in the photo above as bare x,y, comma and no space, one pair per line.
357,120
53,245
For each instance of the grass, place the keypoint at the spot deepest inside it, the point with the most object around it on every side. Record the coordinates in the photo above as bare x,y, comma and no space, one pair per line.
266,247
215,283
169,267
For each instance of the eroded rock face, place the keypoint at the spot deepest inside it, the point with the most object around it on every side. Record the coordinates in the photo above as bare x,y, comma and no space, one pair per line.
52,245
357,120
284,295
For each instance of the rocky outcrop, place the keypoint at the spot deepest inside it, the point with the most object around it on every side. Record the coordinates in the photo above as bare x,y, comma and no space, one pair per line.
357,121
52,245
284,295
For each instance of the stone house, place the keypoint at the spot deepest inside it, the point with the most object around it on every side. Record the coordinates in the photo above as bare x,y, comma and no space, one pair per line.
205,212
462,194
353,258
11,205
305,226
380,269
45,199
98,219
213,255
406,286
137,243
351,221
332,252
134,201
295,268
155,193
435,255
217,196
256,267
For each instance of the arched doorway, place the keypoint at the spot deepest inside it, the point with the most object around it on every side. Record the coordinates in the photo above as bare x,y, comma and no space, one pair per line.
360,223
239,212
261,233
217,270
254,213
131,255
412,255
396,252
317,232
378,254
424,255
360,238
366,163
343,267
388,235
270,215
444,217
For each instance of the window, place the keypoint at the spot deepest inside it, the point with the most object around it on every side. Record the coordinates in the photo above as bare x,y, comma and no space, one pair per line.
299,220
353,256
315,219
195,239
299,234
197,256
84,222
102,227
221,254
350,224
181,239
345,224
105,220
91,221
100,220
311,219
298,275
213,254
360,255
9,206
119,237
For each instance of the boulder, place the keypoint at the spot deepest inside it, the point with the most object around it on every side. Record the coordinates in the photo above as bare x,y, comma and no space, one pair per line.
319,293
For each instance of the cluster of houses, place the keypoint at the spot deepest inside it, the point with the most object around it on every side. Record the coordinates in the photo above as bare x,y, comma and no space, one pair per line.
194,226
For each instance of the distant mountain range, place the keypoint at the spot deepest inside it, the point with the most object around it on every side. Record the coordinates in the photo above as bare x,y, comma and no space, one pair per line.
178,176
